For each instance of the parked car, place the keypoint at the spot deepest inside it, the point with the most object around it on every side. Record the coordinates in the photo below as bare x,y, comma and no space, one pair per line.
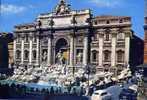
101,95
128,94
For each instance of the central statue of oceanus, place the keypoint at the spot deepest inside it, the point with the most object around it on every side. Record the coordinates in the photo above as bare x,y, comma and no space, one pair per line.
60,58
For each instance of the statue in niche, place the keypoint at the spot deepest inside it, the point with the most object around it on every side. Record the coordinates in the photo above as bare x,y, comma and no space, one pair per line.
79,57
60,58
44,56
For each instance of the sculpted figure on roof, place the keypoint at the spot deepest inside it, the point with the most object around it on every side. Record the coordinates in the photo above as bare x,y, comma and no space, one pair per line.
62,8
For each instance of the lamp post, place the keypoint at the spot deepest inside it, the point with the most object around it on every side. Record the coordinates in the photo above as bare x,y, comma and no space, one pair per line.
87,71
73,22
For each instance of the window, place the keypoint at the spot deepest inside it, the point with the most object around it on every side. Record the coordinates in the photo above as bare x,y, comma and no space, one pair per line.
107,56
120,36
18,38
94,56
120,56
34,39
108,22
18,54
26,38
121,21
26,55
34,54
95,22
107,37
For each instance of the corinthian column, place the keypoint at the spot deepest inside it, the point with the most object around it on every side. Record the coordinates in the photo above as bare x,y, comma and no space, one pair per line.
85,52
22,50
14,50
127,47
30,50
72,50
113,48
101,40
37,49
49,59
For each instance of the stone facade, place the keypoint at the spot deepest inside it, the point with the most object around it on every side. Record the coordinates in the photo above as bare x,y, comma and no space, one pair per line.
6,52
10,50
145,41
74,38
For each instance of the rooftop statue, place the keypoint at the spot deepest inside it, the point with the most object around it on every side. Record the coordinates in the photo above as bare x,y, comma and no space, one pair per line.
62,8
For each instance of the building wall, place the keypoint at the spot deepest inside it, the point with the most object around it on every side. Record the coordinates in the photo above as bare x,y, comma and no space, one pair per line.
109,39
145,41
10,51
3,53
136,52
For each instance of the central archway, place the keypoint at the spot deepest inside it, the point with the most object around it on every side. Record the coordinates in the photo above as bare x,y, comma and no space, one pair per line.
62,47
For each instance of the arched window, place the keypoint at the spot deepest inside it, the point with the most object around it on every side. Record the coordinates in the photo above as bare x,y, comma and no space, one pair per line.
94,56
34,54
120,56
26,55
107,56
26,38
120,36
107,35
18,54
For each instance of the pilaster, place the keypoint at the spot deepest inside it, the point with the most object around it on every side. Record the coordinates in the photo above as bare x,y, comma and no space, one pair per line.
101,43
37,49
85,51
127,46
49,56
14,50
30,49
72,49
113,47
22,49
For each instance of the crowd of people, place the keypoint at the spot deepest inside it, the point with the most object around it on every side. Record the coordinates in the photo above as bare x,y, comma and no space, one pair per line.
78,84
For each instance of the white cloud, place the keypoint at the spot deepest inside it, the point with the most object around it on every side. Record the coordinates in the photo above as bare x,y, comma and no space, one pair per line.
106,3
11,9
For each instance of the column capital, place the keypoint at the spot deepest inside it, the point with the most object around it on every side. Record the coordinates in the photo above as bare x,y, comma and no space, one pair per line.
114,30
72,34
86,34
101,30
128,33
114,34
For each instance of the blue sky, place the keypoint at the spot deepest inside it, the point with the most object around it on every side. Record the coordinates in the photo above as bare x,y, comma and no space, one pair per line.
15,12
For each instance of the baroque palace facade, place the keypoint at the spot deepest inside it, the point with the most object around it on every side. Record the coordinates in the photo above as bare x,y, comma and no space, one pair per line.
74,37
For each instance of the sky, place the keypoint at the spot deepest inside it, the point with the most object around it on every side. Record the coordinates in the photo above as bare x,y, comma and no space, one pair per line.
14,12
